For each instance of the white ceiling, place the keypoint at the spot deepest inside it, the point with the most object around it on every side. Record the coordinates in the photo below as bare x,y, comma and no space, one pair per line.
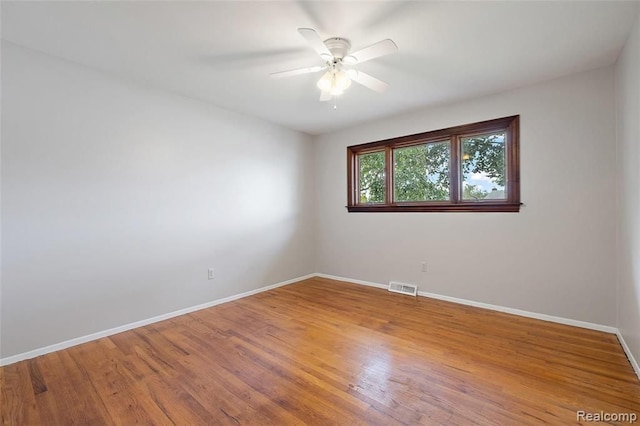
222,52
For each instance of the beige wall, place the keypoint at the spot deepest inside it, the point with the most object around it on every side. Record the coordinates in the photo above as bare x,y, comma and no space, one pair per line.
117,198
628,113
555,257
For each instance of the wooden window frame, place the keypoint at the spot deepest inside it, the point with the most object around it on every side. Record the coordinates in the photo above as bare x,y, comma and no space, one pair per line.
509,125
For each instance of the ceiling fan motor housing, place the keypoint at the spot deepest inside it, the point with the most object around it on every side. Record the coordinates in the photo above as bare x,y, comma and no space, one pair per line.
339,47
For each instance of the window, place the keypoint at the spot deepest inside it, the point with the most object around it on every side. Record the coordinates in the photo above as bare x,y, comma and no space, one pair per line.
471,168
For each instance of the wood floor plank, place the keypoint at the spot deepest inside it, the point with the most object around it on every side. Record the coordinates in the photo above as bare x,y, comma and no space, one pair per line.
324,352
18,399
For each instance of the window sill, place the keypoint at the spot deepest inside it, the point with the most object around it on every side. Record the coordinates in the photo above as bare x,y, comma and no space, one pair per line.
462,207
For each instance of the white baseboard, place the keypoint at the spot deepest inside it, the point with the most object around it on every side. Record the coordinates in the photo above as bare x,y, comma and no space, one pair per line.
528,314
94,336
627,351
519,312
351,280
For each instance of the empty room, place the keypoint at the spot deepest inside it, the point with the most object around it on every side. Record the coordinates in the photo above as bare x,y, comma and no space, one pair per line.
322,213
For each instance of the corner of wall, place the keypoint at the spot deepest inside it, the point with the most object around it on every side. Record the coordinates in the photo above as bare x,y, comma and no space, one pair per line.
627,109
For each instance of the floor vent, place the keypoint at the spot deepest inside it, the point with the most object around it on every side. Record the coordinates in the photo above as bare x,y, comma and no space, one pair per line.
396,287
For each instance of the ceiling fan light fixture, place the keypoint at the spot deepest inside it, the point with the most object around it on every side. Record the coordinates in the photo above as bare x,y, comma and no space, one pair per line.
334,82
326,82
341,81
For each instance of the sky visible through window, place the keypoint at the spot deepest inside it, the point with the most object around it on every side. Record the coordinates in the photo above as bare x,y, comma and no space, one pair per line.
483,159
483,181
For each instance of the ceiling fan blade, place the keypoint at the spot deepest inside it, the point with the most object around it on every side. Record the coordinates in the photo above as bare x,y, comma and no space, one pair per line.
297,71
325,96
370,82
316,42
376,50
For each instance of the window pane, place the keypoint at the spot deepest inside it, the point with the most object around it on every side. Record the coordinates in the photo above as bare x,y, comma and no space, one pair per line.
421,172
483,167
371,177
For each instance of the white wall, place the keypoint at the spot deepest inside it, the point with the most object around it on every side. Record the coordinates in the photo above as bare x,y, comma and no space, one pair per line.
628,113
555,257
117,198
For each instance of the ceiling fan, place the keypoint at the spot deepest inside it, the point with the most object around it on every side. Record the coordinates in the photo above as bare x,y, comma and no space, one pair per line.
335,52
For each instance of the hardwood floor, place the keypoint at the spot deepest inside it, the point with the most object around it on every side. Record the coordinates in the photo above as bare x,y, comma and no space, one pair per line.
324,352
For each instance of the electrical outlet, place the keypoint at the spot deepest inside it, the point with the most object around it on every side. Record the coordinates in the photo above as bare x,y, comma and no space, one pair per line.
424,266
212,273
